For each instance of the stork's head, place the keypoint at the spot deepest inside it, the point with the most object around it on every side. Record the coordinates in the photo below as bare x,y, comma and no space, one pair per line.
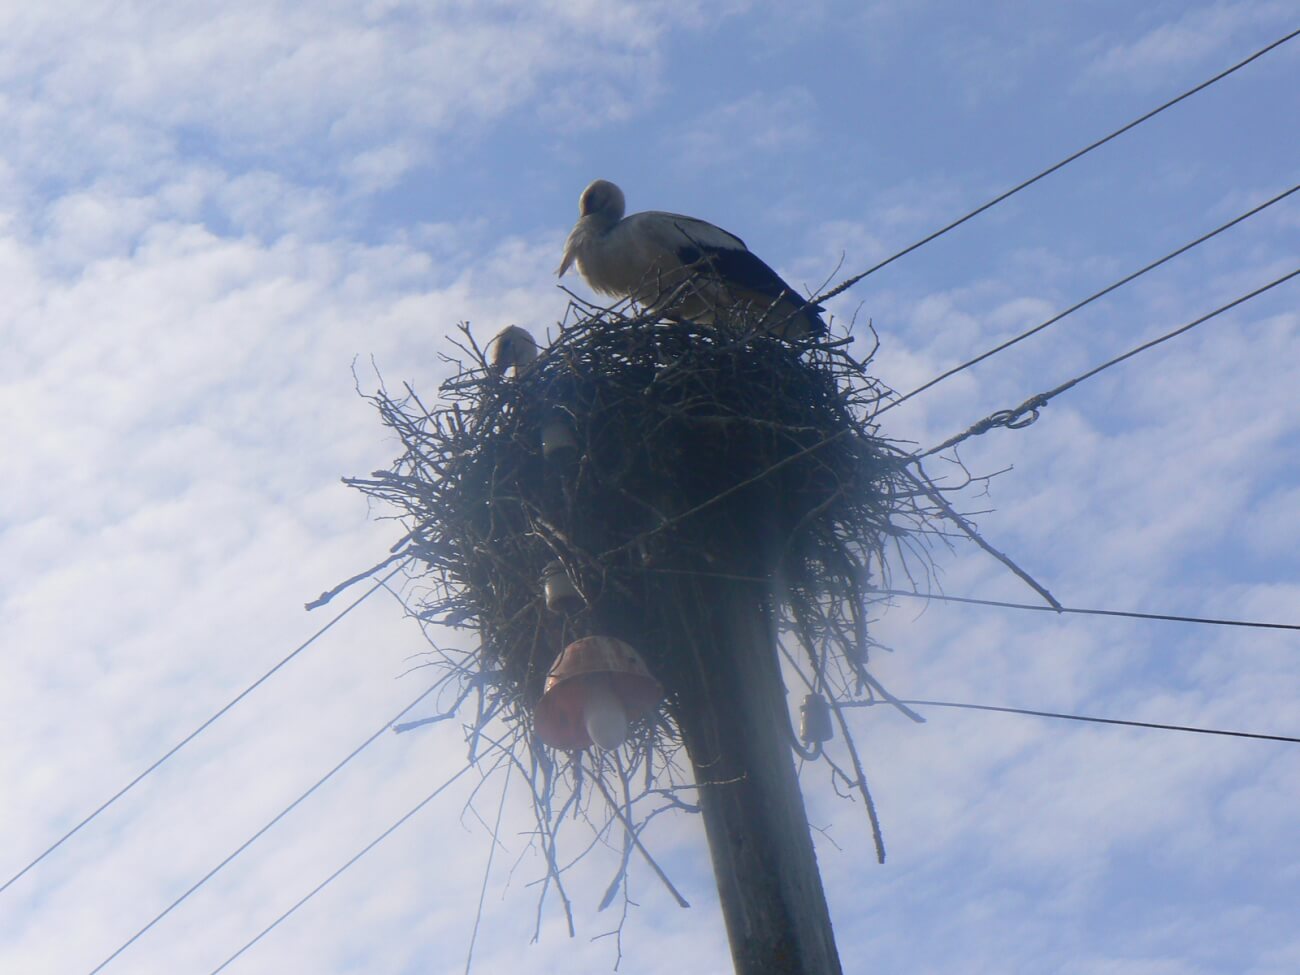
599,208
603,201
513,347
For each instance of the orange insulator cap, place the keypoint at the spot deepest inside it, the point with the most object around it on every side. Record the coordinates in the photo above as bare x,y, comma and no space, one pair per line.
560,716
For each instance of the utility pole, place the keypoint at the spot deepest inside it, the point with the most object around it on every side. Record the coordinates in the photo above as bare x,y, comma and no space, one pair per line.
734,721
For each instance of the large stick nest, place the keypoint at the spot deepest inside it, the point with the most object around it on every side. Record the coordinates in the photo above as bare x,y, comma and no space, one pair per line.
700,451
704,457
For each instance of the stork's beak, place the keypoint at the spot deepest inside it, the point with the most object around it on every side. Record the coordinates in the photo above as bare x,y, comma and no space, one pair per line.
571,247
570,252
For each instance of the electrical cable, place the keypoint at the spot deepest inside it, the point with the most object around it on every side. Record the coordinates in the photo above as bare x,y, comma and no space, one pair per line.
1080,717
330,879
912,702
1167,617
1086,301
199,730
844,286
487,870
275,819
1028,411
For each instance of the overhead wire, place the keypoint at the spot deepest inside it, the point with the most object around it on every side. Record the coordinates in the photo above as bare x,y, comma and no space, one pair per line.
913,702
1078,610
252,839
845,285
487,870
1155,725
1086,301
200,729
334,876
1027,412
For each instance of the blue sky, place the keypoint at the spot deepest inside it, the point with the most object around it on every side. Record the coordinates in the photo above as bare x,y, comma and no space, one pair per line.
205,217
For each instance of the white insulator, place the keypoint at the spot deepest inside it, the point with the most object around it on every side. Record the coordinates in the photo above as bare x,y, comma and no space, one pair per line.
604,716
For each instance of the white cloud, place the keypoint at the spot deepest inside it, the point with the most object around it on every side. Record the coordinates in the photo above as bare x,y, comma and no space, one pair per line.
129,88
1190,39
756,125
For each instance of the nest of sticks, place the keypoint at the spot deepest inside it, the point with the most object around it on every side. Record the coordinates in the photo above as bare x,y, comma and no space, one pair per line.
702,457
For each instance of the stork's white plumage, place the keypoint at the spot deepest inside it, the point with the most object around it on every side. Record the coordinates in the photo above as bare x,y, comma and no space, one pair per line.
512,347
649,256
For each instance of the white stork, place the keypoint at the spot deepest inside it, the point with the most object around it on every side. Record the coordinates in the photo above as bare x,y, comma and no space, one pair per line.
649,256
512,347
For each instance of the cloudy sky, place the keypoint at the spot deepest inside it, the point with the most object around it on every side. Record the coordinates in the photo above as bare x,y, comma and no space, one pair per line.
208,213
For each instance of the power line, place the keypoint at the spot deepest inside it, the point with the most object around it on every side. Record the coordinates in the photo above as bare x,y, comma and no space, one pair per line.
1086,301
1078,717
1053,168
200,729
1027,412
1168,617
487,870
330,879
911,702
275,819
